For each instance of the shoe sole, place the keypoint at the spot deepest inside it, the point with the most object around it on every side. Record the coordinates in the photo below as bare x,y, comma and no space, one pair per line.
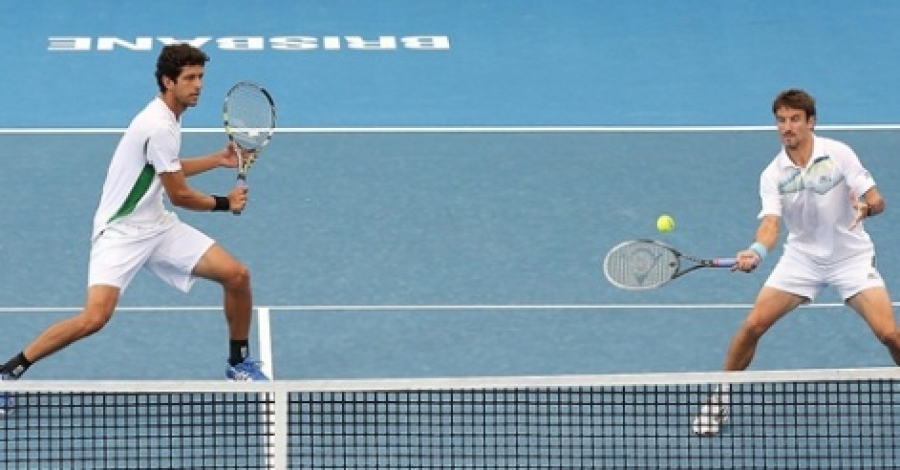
710,430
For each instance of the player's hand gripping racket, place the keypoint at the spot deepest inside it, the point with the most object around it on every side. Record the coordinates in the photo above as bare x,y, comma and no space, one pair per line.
648,264
249,115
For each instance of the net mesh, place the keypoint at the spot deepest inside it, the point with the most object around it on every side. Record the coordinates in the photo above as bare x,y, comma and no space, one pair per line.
802,425
135,430
798,419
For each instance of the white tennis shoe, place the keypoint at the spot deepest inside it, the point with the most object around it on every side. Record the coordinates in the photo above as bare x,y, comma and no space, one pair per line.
710,419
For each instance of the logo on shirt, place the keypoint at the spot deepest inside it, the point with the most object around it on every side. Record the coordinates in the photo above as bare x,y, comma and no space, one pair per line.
819,177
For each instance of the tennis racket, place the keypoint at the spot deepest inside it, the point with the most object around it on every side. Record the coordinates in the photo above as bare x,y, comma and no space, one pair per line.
648,264
249,115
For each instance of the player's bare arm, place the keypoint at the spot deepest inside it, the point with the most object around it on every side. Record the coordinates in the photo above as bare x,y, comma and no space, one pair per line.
181,194
225,158
871,203
767,236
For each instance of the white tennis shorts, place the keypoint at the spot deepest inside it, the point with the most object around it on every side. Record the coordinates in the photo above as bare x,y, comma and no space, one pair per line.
799,275
170,253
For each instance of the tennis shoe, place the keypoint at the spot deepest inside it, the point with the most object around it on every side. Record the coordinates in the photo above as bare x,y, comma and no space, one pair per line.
6,400
710,419
247,371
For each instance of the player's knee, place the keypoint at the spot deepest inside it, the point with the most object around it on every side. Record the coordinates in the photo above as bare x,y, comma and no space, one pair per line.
89,324
891,339
238,278
753,329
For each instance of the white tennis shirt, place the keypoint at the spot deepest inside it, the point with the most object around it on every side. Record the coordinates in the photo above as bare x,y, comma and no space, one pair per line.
814,202
132,193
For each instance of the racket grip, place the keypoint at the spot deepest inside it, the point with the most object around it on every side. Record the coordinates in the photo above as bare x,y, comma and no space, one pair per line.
724,262
241,182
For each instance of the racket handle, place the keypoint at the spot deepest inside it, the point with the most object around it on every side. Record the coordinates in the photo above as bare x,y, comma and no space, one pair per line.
724,262
241,182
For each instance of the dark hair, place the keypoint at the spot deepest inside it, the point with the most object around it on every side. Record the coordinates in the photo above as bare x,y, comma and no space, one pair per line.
795,98
175,57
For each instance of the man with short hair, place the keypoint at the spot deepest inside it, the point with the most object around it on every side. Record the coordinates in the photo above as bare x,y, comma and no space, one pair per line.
133,229
821,191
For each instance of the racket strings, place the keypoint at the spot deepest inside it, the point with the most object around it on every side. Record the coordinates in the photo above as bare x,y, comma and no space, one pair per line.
249,117
640,265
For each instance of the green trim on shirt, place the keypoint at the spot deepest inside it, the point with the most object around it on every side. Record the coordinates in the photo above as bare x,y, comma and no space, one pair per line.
140,188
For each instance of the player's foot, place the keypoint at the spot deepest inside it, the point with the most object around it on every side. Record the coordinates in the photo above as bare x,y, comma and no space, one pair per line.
710,419
6,400
247,371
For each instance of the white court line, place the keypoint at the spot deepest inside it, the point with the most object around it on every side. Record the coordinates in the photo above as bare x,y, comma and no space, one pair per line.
383,308
470,129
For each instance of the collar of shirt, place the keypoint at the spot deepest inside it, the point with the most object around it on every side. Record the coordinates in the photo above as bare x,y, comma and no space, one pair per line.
785,162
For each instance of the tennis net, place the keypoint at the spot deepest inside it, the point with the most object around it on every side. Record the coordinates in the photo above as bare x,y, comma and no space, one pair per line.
843,419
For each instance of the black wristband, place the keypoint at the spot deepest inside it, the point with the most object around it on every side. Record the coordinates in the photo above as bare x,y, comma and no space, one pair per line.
222,204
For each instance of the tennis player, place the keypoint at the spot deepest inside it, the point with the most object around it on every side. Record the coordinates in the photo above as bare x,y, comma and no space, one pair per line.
820,190
133,229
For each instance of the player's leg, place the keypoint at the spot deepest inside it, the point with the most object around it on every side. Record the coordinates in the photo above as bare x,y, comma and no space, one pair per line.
220,266
858,281
116,256
770,306
100,305
188,254
874,306
792,283
98,309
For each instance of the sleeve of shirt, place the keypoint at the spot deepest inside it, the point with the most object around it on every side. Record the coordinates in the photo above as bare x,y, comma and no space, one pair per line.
857,176
769,195
162,150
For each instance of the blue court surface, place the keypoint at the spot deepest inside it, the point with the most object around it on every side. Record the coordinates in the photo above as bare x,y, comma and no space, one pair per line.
447,179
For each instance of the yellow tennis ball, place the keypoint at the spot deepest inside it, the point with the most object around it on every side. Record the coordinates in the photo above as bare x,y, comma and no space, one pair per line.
665,223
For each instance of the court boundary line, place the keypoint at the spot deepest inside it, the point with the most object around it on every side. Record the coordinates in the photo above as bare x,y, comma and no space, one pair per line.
466,129
424,307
